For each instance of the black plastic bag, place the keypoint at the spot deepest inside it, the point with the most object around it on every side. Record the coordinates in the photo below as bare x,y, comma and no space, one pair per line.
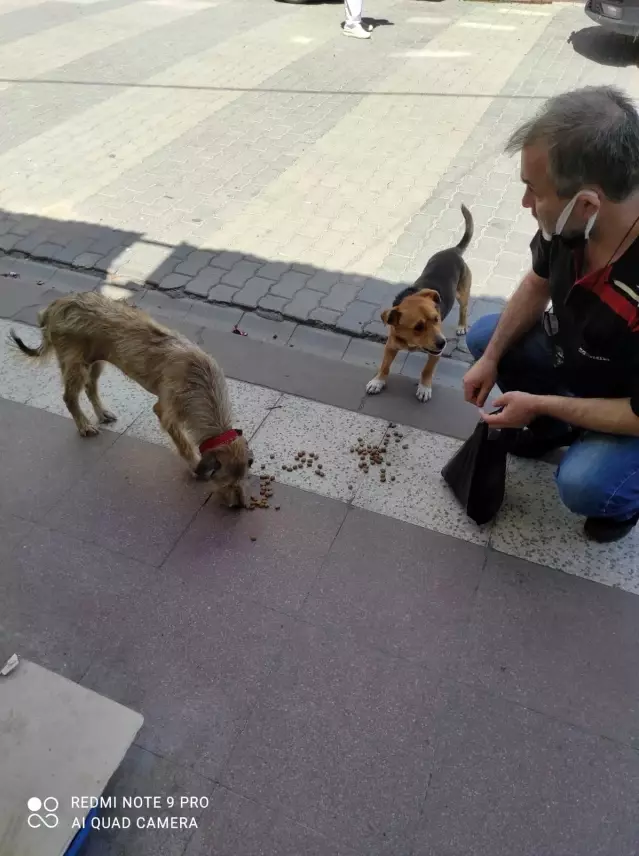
477,473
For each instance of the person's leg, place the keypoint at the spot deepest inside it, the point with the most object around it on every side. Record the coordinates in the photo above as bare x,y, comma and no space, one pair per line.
353,20
598,478
353,11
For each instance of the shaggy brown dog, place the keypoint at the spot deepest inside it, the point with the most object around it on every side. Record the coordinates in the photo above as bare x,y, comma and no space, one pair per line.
87,330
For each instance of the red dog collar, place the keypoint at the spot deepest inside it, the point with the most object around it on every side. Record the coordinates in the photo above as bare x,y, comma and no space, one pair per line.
221,440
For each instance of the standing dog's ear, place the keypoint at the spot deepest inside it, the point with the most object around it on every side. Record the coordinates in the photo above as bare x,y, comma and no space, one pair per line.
434,295
208,466
391,316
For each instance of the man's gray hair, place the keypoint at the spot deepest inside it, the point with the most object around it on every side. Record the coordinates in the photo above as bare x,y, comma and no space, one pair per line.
592,135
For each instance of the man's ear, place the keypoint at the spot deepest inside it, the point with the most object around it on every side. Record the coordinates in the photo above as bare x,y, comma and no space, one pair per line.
208,466
391,317
433,295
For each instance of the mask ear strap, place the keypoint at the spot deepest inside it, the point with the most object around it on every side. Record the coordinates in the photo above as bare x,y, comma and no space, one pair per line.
565,214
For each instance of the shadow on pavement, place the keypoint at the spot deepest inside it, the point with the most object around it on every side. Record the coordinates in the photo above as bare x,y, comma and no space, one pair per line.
604,48
279,290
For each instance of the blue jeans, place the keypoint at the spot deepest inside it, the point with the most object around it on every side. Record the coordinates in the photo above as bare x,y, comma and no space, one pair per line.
599,474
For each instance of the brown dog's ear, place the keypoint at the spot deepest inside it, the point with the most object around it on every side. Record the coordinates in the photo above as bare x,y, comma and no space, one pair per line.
391,316
208,466
434,295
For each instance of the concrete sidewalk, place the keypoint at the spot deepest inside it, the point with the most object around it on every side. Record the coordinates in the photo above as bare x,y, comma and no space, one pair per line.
243,152
324,679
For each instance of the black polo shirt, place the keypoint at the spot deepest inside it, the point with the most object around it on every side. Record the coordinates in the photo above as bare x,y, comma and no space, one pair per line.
596,333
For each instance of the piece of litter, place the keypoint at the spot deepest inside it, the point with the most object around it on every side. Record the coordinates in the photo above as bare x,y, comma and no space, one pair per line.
10,665
239,332
253,538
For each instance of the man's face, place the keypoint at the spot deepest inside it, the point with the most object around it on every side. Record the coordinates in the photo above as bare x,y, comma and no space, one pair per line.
542,199
540,195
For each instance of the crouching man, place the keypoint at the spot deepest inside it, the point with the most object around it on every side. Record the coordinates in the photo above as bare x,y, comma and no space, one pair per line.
565,350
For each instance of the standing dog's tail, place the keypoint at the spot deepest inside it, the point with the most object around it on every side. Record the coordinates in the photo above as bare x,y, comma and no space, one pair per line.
43,348
470,228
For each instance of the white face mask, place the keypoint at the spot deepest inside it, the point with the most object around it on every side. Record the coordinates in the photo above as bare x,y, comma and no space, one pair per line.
565,214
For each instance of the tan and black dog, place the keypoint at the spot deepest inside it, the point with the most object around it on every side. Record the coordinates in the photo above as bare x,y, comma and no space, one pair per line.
415,320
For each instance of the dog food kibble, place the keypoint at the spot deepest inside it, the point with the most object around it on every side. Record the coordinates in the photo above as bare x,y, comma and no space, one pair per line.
349,486
272,457
405,446
283,466
277,507
253,538
392,478
319,466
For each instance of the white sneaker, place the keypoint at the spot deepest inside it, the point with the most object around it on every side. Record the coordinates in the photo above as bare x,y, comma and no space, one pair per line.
356,31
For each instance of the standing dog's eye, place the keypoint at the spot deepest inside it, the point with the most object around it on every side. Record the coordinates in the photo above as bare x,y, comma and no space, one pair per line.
419,327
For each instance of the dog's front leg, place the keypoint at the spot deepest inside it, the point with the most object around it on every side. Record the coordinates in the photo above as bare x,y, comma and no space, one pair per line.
425,385
182,442
378,383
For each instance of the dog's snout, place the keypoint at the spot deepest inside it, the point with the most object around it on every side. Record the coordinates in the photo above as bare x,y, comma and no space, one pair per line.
440,343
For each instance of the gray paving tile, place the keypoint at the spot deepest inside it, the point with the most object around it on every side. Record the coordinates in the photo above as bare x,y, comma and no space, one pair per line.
265,329
252,292
362,352
315,341
193,667
358,314
62,598
419,610
68,280
558,644
43,457
222,318
138,500
202,284
234,825
340,740
446,413
173,282
277,569
143,774
16,295
509,780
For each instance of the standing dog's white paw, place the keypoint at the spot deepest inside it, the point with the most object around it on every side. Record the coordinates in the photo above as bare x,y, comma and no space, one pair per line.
461,331
375,386
424,393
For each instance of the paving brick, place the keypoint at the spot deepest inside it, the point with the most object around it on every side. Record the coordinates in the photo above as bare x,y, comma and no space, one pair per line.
194,263
46,251
173,281
289,284
323,280
378,291
303,303
377,328
273,270
222,293
240,274
324,316
273,304
340,295
356,317
202,284
86,260
226,259
254,289
322,342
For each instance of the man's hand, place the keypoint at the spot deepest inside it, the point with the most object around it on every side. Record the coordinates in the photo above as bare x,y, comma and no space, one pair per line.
519,410
479,380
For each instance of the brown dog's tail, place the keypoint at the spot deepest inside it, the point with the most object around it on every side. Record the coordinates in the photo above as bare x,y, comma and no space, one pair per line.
41,351
470,228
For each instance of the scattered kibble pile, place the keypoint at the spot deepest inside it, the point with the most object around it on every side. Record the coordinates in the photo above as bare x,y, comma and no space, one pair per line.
370,455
